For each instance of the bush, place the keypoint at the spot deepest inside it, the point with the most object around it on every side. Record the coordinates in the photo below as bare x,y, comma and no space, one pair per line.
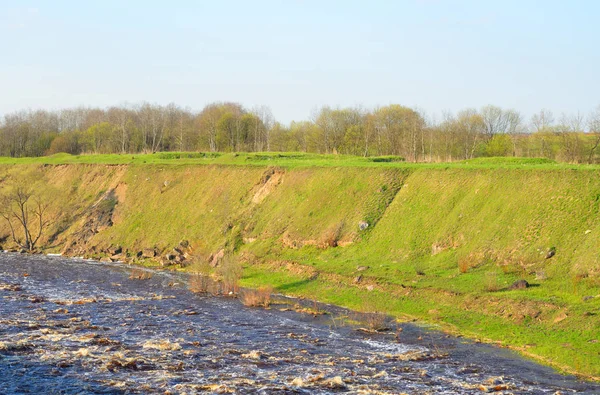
199,283
187,155
386,159
230,272
256,297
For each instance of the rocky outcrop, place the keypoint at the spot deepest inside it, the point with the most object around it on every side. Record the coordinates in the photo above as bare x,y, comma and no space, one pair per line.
97,218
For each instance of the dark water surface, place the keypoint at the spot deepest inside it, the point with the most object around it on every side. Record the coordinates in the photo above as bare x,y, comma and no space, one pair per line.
70,326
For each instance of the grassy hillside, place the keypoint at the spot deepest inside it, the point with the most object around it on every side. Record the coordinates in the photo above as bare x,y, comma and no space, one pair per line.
442,245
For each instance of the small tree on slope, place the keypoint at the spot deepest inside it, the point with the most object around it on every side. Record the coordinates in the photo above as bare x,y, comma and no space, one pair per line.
25,215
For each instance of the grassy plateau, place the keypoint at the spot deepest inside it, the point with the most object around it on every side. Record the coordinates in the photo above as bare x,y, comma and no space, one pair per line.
438,243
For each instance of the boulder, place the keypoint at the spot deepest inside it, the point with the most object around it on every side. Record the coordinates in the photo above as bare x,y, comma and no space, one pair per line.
184,244
165,262
362,225
215,259
519,284
148,253
114,250
551,252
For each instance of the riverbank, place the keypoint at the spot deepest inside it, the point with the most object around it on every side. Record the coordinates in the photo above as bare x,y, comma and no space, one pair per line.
58,334
438,243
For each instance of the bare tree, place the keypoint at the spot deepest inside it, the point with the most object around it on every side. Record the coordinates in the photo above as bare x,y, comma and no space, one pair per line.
24,211
542,120
594,128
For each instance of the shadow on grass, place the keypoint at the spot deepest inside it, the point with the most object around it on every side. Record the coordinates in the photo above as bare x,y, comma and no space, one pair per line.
508,289
294,285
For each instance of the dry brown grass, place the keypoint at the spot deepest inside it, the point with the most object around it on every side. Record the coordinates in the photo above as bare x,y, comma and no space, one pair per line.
260,297
464,264
199,283
472,260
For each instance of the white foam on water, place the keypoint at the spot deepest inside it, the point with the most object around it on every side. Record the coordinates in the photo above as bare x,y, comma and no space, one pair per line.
393,348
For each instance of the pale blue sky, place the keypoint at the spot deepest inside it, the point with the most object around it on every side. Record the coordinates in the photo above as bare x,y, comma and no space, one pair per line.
296,55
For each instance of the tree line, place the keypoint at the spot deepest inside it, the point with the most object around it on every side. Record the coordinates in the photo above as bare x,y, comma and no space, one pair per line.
229,127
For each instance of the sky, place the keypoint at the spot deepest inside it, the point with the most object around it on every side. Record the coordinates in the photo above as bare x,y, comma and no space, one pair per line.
298,55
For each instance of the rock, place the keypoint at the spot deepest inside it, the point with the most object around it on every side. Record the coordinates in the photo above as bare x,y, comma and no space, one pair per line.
540,275
519,284
561,317
184,244
586,298
37,299
361,268
495,381
298,382
170,257
253,355
215,259
148,253
163,345
587,232
358,279
551,252
114,250
362,225
117,257
166,262
10,287
105,259
334,383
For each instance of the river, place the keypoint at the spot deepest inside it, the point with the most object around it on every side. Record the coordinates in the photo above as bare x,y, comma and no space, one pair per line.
71,326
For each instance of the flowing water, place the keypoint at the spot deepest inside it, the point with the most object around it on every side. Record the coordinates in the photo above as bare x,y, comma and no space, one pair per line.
71,326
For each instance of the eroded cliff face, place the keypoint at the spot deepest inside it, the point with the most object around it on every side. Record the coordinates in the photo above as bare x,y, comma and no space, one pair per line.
96,207
400,215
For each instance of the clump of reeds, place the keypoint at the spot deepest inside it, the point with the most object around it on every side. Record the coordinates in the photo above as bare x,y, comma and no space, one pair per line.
260,297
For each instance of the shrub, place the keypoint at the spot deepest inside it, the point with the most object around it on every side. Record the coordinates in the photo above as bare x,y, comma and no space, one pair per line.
256,297
376,321
230,272
464,264
386,159
199,283
373,318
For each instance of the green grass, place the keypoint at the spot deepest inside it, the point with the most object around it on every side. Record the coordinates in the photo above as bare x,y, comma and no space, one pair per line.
494,217
290,160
